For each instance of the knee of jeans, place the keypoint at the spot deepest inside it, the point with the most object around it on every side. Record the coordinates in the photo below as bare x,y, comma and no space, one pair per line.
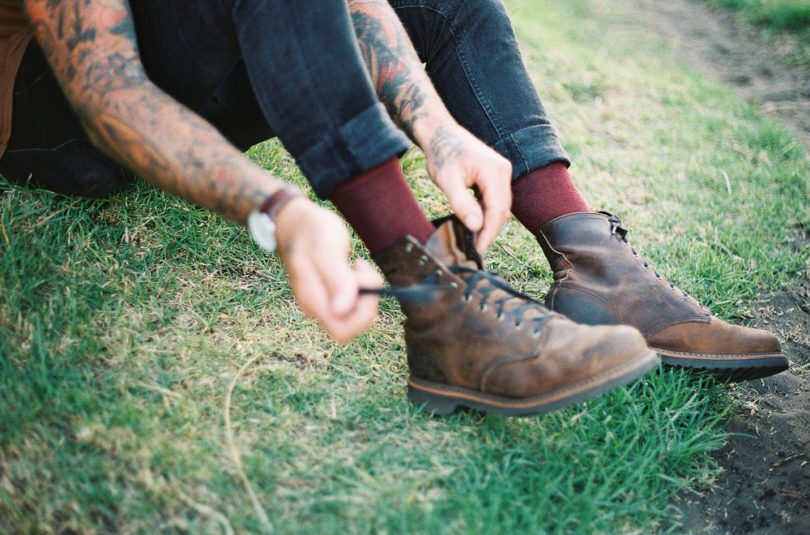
100,183
94,181
84,171
73,169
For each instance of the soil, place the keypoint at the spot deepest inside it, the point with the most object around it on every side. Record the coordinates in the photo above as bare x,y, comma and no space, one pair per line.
723,46
764,487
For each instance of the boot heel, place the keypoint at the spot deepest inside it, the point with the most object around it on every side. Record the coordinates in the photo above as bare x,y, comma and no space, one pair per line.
431,403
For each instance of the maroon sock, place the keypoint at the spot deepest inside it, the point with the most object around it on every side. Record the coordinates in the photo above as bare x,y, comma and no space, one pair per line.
544,194
380,207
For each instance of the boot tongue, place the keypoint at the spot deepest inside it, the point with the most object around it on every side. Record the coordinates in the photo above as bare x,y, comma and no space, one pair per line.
454,244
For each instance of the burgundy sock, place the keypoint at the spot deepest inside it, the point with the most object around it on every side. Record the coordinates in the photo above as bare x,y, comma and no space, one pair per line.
544,194
380,207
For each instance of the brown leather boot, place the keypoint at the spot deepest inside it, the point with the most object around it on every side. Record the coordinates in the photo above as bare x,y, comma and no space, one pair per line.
599,279
483,345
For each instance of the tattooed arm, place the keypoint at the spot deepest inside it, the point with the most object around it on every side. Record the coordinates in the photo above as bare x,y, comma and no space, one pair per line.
92,49
455,159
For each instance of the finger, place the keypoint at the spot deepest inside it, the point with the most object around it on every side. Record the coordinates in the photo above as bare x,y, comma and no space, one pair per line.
344,328
366,311
313,298
341,285
310,292
496,195
367,277
464,205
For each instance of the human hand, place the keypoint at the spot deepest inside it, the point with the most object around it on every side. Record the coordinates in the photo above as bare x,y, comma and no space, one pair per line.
456,160
314,246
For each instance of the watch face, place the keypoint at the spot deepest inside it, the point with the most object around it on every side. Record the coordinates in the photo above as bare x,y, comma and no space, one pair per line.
263,230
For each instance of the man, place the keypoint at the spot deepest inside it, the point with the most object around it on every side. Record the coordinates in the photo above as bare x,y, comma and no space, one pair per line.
138,76
472,57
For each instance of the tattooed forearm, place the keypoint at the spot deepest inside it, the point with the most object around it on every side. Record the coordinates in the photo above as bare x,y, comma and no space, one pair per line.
390,64
401,82
92,50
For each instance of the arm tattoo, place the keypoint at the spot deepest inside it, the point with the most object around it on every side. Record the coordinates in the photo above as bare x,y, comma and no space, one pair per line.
92,49
445,147
395,69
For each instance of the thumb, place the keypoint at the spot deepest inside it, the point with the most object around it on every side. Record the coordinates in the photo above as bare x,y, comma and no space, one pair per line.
341,286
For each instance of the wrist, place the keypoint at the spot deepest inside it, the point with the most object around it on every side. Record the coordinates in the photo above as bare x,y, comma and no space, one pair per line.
291,219
262,222
424,128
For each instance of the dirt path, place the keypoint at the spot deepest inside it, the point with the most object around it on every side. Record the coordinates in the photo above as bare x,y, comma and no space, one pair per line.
765,485
724,47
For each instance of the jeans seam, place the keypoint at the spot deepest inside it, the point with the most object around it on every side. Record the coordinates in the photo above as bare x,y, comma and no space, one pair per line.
32,83
38,78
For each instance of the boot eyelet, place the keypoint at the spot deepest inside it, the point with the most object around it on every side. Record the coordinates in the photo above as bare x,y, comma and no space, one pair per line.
499,317
454,285
438,273
646,265
466,298
482,308
423,260
409,248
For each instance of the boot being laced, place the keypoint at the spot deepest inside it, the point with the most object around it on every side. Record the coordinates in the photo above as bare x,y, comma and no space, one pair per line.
480,344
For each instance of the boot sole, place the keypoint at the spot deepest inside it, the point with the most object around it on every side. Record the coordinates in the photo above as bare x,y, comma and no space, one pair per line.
731,368
442,399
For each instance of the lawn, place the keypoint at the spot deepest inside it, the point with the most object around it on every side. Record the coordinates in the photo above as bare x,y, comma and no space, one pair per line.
780,14
156,376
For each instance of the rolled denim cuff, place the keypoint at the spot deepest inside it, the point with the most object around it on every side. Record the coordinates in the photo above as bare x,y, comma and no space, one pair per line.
531,148
362,143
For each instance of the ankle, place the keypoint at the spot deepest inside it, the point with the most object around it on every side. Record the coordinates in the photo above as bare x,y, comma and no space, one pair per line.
380,207
545,194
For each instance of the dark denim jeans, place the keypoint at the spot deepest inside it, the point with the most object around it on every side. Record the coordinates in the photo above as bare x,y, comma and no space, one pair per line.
472,56
468,46
302,62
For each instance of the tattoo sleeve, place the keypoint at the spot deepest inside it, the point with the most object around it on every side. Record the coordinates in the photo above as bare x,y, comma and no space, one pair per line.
400,80
92,49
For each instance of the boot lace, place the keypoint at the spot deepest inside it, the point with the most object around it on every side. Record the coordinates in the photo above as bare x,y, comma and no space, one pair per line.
471,278
617,229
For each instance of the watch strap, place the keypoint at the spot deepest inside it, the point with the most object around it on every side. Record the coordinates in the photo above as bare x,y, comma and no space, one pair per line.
275,202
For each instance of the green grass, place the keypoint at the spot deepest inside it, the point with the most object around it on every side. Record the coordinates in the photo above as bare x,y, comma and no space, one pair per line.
780,14
124,322
783,23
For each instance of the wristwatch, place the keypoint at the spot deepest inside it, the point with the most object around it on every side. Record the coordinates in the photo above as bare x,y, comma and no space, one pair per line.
262,222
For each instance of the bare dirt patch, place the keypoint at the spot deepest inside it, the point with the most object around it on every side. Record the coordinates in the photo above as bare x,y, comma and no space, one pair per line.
765,484
723,46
